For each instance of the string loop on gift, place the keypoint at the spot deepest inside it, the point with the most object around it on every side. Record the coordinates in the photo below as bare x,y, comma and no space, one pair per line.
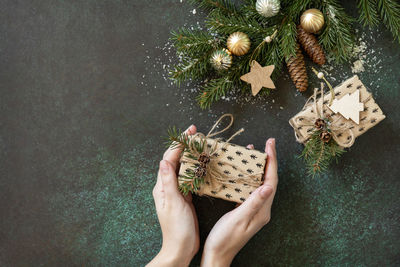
211,134
320,75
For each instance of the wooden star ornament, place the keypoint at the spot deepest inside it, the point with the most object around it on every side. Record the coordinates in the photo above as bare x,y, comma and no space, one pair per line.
259,77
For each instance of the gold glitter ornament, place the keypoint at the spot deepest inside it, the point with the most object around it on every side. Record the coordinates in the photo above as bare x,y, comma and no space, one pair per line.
312,20
268,8
221,59
238,43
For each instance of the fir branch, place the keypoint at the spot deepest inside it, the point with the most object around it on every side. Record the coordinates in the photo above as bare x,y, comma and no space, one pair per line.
368,12
240,66
192,68
318,155
248,9
273,56
265,52
389,11
176,139
294,9
194,43
372,12
194,49
213,90
287,38
226,6
190,183
225,25
337,38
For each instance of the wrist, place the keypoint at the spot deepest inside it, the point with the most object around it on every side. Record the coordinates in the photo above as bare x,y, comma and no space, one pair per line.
169,257
215,259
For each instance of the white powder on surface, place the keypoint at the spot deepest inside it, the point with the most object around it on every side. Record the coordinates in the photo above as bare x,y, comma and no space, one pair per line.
359,53
358,66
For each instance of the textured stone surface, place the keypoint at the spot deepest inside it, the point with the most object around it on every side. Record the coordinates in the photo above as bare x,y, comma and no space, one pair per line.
84,102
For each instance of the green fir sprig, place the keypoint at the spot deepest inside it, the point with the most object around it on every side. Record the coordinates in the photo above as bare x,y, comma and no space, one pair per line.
177,139
318,154
337,38
372,12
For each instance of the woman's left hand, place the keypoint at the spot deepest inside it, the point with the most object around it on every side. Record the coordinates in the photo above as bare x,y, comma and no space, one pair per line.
176,214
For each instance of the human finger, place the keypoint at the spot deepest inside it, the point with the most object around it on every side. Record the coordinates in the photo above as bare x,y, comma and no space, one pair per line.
173,154
251,146
169,181
271,172
158,194
188,197
257,199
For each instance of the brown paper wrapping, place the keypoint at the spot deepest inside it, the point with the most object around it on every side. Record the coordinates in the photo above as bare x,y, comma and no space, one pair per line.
370,117
232,160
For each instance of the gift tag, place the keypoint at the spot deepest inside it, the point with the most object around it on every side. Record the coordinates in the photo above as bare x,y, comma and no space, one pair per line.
259,77
349,106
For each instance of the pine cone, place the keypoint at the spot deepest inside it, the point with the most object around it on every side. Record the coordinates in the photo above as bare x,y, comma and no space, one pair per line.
203,158
325,136
200,172
310,44
319,124
297,70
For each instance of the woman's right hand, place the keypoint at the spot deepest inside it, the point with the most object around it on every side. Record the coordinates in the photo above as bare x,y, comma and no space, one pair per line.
235,228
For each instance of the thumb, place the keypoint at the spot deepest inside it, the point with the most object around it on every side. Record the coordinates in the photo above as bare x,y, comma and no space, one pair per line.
168,179
255,202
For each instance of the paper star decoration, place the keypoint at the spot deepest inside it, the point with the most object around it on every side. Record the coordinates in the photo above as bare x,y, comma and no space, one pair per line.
259,77
349,106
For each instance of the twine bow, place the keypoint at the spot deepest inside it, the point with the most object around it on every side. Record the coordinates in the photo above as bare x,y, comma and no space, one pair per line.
336,127
216,178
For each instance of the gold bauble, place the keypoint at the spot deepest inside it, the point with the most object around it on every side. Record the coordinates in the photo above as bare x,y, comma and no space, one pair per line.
221,59
238,43
312,20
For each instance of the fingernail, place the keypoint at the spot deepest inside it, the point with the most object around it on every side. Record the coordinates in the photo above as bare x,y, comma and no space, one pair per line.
265,191
190,129
164,167
271,141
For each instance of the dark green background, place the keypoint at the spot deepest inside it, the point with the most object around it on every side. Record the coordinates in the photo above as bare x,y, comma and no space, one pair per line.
84,101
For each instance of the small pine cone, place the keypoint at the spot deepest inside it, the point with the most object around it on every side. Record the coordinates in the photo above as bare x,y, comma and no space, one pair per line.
200,172
310,44
203,158
297,70
319,124
325,136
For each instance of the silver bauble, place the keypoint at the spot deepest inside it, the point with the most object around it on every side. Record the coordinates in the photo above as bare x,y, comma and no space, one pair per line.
221,59
268,8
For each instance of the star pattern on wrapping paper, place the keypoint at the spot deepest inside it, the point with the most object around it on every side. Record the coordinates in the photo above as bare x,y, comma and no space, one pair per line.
259,77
